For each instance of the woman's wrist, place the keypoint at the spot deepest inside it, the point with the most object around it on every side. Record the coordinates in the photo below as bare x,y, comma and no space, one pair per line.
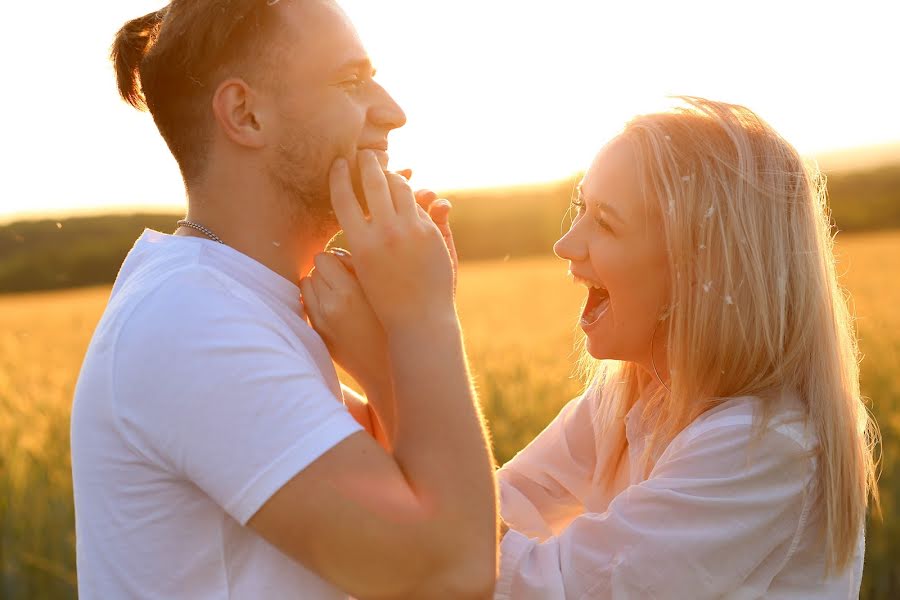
379,391
378,387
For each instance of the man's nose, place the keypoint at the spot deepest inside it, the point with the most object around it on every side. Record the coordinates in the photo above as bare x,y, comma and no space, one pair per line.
386,113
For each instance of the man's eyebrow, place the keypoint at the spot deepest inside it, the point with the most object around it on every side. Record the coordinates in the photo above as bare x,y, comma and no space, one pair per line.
604,206
362,65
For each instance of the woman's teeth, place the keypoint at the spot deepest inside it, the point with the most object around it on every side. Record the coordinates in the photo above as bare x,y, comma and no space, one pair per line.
596,305
596,312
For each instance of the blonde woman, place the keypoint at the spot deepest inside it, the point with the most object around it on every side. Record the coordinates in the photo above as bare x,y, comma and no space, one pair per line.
721,448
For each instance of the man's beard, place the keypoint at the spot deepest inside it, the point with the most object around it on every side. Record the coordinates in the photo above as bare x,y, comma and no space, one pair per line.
300,171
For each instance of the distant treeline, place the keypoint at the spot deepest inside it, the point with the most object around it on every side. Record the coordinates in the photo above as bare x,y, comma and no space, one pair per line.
488,224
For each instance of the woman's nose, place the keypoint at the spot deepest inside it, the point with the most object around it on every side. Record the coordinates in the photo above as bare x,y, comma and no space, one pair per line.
569,247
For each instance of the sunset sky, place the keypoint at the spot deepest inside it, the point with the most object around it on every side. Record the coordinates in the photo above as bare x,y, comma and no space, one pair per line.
496,91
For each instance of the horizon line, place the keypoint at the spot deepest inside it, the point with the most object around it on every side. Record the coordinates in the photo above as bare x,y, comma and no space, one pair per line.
857,159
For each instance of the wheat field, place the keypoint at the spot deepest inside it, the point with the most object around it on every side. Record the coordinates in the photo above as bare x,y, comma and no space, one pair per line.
518,318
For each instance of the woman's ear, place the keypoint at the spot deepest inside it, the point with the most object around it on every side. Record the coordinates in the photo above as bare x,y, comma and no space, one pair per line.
236,110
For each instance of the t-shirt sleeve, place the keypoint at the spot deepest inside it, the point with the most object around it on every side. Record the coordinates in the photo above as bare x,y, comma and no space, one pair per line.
209,387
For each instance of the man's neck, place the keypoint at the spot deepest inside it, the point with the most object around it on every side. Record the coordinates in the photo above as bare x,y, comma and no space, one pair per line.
260,229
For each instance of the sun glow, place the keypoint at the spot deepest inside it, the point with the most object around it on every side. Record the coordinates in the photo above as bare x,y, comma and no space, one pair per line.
497,92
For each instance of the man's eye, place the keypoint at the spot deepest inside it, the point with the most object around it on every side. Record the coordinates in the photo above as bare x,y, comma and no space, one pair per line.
355,82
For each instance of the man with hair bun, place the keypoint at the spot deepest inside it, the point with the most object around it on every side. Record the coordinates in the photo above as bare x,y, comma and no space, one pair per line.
214,452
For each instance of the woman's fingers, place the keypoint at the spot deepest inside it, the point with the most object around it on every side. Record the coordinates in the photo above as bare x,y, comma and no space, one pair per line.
375,186
438,208
345,257
310,302
424,198
440,212
332,271
322,293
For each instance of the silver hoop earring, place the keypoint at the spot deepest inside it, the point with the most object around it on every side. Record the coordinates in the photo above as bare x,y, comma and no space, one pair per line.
652,359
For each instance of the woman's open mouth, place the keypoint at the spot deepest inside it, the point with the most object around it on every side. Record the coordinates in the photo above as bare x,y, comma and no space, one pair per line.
595,307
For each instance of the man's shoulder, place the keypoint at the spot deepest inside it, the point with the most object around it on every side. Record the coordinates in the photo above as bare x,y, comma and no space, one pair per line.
191,300
196,326
193,289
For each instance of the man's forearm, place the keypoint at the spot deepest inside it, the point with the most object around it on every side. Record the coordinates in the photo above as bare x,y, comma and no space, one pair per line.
369,411
441,443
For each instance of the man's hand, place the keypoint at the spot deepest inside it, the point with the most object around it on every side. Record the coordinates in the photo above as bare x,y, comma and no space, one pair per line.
400,256
338,310
439,211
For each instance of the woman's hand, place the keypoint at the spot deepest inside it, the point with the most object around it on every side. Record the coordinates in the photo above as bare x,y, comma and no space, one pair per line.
339,312
401,258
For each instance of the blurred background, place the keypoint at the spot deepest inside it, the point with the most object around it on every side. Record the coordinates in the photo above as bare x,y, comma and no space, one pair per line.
507,103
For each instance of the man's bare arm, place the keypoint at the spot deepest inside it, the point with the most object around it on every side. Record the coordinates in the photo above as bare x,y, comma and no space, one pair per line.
406,524
419,522
365,413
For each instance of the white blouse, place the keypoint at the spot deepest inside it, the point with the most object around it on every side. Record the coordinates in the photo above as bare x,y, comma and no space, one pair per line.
720,516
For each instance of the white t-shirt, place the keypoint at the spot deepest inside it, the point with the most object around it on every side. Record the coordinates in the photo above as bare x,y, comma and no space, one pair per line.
202,393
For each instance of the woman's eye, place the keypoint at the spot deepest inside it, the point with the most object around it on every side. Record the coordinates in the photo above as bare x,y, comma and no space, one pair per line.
603,224
580,205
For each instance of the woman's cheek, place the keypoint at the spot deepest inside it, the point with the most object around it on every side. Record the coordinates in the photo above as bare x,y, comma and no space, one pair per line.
632,312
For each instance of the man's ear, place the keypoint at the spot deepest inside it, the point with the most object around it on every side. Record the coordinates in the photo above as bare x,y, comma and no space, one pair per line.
236,110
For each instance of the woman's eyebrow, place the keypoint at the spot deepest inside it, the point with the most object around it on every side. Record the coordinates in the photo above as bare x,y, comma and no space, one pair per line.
604,206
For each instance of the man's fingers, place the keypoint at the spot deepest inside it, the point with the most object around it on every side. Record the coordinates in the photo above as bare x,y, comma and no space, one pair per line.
423,214
375,186
343,200
401,194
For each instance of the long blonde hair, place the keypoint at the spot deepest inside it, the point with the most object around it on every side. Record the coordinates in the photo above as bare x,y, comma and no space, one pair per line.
755,305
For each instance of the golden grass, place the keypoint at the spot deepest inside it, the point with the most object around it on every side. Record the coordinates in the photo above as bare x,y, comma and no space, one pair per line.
519,319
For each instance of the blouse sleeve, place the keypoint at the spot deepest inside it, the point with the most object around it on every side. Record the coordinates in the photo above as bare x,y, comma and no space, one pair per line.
714,510
542,488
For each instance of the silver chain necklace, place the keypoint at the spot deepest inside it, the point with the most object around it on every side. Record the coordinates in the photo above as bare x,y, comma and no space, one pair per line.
201,229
